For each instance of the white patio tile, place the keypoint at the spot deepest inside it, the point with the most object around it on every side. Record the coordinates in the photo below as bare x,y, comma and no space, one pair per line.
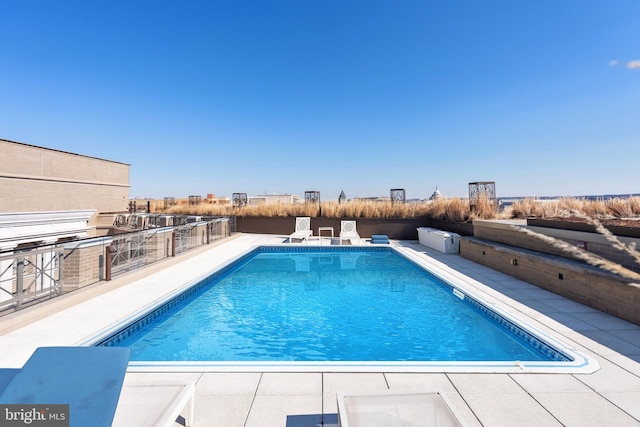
516,284
540,306
584,410
291,383
169,376
569,321
332,383
534,383
541,294
612,344
509,410
606,321
221,411
462,410
435,382
499,286
568,306
581,340
611,377
228,383
484,383
629,362
330,403
272,410
629,401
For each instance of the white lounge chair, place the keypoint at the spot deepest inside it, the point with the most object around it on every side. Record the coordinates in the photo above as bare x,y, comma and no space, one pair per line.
397,407
155,404
348,232
90,382
303,229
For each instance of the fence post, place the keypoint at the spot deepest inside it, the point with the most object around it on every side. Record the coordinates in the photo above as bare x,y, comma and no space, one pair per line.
173,243
107,263
19,281
39,272
60,271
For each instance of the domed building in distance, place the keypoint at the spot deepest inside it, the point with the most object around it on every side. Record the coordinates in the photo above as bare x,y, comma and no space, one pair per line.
436,195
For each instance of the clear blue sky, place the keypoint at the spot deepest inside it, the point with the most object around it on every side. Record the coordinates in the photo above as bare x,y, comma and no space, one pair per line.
542,97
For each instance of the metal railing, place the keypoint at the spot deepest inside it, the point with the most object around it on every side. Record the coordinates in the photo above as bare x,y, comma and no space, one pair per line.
130,251
134,250
30,275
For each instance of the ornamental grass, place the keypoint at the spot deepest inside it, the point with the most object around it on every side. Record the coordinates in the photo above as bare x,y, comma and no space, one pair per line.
450,209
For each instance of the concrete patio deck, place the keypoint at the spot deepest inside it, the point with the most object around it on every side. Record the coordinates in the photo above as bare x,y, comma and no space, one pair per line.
608,397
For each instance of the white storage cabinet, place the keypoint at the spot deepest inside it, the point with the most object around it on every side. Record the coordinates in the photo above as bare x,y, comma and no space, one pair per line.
439,240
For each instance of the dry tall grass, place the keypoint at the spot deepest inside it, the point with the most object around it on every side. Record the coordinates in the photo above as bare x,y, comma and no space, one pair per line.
447,209
616,208
370,209
454,209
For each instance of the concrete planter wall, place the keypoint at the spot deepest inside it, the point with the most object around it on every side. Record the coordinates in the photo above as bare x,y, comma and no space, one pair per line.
577,281
395,228
584,227
496,231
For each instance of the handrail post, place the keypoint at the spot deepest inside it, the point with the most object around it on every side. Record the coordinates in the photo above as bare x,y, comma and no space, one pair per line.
60,272
19,281
107,263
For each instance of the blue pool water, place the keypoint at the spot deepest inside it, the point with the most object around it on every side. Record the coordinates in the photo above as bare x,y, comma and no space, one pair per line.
327,304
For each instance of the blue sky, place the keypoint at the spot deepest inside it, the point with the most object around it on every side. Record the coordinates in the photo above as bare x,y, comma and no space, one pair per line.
362,96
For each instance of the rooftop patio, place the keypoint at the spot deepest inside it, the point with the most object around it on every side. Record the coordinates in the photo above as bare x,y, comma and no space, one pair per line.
231,398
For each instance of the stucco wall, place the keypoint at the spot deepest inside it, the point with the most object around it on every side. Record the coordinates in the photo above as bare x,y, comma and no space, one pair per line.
36,179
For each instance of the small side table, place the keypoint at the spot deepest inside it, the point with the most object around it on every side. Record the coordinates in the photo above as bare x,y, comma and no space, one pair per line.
321,229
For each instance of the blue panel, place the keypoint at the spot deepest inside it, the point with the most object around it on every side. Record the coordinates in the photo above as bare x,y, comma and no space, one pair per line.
6,375
89,379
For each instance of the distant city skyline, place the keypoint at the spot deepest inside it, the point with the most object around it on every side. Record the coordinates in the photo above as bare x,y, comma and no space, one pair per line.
285,97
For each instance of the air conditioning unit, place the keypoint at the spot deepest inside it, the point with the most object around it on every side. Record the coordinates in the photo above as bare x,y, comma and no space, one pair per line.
179,220
140,221
165,221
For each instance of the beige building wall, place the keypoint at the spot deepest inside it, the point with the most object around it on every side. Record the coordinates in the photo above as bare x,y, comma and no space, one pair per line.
36,179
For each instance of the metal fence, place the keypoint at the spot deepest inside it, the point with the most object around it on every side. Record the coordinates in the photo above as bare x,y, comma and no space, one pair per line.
31,275
136,249
129,251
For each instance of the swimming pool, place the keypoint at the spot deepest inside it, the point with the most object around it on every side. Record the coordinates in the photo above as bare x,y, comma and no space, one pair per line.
314,306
